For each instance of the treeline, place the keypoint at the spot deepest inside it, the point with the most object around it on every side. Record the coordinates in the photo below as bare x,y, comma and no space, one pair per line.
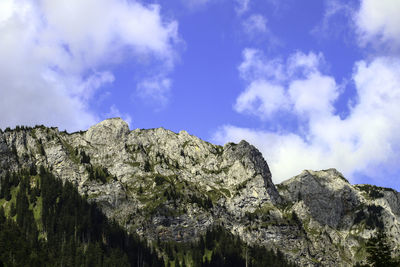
46,222
67,230
219,247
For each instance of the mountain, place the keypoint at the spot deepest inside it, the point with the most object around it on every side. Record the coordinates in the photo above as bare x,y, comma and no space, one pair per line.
173,187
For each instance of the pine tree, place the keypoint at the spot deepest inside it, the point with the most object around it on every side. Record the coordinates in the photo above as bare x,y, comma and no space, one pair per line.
6,187
13,210
379,251
2,216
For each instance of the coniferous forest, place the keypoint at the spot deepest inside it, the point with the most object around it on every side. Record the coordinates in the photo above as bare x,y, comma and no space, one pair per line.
49,224
45,222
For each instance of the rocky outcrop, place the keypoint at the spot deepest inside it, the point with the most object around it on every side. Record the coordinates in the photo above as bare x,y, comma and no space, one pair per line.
173,186
340,217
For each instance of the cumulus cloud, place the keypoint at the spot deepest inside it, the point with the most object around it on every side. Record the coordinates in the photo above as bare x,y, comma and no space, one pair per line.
274,86
372,23
367,138
262,98
378,22
256,66
313,96
55,55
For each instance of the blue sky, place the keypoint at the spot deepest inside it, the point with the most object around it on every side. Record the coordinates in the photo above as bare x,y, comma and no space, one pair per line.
313,84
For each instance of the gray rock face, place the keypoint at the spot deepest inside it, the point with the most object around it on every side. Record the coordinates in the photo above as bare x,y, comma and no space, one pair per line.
251,158
173,186
106,131
328,196
336,214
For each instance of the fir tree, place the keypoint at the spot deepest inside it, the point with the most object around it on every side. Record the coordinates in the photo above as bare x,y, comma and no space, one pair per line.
379,251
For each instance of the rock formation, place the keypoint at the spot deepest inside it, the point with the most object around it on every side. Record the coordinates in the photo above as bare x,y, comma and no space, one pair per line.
173,186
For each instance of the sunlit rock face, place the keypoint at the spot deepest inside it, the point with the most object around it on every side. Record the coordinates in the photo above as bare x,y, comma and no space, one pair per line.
173,186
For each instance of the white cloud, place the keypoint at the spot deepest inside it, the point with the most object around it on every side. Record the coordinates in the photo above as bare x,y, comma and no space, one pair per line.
255,24
304,64
256,66
256,30
378,21
365,140
262,98
54,55
156,89
308,91
313,96
242,6
336,21
95,81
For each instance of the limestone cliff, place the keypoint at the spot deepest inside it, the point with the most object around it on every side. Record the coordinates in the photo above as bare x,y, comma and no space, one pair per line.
165,185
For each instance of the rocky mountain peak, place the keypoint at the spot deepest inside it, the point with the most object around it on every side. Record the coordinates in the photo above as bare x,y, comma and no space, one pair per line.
252,158
107,131
168,186
324,193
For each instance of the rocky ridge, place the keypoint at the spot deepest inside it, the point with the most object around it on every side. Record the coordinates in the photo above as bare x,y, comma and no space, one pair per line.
173,186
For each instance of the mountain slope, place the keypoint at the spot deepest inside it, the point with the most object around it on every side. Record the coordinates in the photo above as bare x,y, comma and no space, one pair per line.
167,186
44,222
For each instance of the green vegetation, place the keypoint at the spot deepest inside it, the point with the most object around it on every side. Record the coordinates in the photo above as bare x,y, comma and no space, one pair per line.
160,179
371,216
282,187
49,224
241,186
316,232
218,247
207,171
84,157
41,148
148,167
134,164
72,153
52,225
99,174
219,150
168,189
372,191
226,192
379,252
185,144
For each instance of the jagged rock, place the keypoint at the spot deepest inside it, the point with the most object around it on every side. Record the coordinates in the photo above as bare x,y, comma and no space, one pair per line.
327,194
173,186
107,131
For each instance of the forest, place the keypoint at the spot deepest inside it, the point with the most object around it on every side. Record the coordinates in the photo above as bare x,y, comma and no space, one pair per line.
46,222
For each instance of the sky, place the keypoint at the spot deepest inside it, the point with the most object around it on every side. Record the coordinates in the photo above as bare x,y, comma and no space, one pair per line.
312,84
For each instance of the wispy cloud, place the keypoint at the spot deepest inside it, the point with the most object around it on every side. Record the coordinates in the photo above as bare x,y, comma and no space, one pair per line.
242,6
55,55
156,89
337,21
255,24
195,4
